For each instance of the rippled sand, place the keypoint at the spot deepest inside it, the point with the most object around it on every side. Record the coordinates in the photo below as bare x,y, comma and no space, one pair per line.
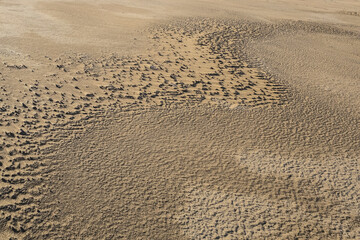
179,119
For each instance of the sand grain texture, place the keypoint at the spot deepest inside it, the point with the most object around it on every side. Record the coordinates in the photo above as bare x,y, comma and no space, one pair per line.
158,120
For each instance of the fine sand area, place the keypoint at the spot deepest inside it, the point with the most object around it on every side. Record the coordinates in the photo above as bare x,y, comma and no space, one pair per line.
188,119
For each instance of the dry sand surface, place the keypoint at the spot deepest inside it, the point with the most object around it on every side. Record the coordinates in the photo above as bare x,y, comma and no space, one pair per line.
154,119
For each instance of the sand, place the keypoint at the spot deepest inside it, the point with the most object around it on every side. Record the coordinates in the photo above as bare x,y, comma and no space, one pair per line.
179,119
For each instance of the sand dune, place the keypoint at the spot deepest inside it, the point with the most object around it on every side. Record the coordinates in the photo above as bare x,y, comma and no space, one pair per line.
179,119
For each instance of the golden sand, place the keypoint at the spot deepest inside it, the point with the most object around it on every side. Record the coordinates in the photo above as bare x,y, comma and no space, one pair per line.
179,119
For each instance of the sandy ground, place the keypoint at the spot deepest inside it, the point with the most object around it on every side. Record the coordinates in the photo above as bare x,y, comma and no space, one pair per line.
179,119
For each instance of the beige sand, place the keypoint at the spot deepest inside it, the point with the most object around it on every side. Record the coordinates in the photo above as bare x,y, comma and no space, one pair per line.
179,119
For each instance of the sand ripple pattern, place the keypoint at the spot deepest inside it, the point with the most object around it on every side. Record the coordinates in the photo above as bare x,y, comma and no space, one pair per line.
191,140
